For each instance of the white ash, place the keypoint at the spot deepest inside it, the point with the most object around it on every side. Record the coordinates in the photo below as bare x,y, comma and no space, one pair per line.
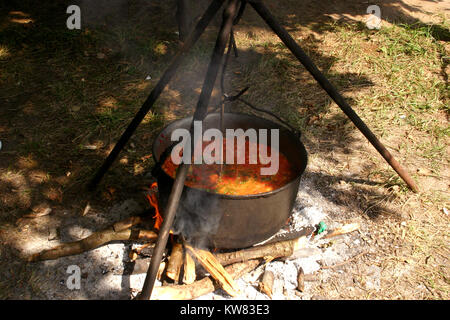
306,216
301,217
285,272
309,265
124,209
373,278
78,232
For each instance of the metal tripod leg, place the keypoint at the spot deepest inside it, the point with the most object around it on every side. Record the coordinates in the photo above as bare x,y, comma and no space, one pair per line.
200,113
162,83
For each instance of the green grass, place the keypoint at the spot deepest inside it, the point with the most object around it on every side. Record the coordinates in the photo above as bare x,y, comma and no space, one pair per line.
397,67
407,64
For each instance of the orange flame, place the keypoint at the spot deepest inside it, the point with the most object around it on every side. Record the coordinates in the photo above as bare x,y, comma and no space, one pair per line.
154,203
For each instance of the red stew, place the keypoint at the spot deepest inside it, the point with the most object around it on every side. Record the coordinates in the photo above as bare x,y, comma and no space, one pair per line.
235,179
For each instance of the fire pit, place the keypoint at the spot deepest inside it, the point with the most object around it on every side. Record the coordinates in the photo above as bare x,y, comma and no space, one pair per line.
230,221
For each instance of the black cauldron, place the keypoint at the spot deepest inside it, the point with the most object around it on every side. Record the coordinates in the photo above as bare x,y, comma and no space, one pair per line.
230,221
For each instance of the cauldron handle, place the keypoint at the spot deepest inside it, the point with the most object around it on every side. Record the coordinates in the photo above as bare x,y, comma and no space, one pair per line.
283,122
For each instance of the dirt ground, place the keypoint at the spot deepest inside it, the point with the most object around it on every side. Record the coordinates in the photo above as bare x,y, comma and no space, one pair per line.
66,97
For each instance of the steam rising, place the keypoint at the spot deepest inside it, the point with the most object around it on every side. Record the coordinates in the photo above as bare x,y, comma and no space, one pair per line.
97,12
196,221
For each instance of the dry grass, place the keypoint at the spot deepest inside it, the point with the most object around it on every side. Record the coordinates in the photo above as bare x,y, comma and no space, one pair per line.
395,79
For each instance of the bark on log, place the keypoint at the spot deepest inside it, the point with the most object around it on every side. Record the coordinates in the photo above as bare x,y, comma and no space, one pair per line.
273,250
203,286
217,271
127,223
175,262
95,240
141,248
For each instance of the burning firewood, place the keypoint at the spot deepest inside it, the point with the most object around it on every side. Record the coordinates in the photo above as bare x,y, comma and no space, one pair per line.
203,286
153,200
210,263
189,274
266,284
95,240
175,262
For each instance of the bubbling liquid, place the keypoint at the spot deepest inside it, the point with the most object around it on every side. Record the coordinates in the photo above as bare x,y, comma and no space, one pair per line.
236,179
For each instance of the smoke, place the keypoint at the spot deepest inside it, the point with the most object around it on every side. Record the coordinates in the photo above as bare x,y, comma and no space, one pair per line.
198,217
101,12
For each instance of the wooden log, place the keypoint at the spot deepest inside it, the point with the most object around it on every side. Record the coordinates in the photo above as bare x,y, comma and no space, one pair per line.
161,269
175,262
266,284
133,255
141,248
127,223
343,230
95,240
301,280
141,267
268,251
217,271
189,273
203,286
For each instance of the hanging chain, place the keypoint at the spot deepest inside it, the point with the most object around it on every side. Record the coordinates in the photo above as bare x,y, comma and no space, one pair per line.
224,97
